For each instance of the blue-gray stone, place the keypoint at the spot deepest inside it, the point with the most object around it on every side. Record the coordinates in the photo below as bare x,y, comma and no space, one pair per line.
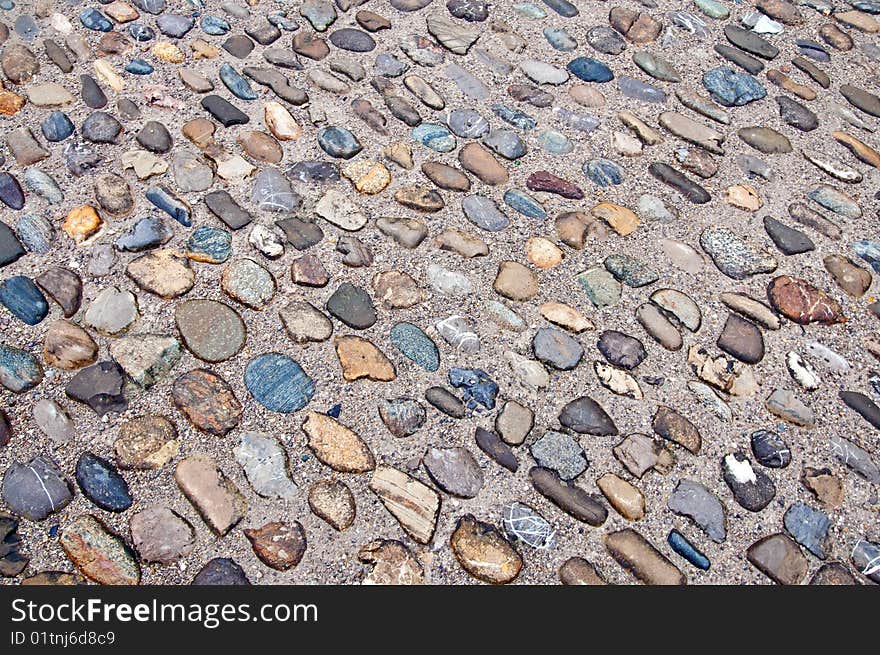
484,213
278,383
389,65
11,248
638,90
236,83
102,484
35,489
557,349
148,232
101,127
141,33
603,172
314,171
467,123
209,244
813,50
732,89
562,7
95,20
515,117
272,192
26,27
338,142
36,233
11,193
679,543
415,345
24,299
560,39
590,70
214,25
524,204
57,126
139,67
166,200
869,251
809,527
175,25
80,157
479,388
283,22
154,7
576,120
433,136
505,143
19,370
44,185
556,143
353,40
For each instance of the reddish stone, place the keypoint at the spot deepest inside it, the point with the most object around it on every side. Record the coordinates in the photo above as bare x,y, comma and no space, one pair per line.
801,302
207,401
550,183
279,545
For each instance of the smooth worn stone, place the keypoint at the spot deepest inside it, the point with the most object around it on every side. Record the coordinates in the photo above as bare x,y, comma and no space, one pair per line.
114,195
279,545
191,174
797,115
68,346
733,256
742,339
168,201
146,443
672,426
52,419
524,204
638,90
603,172
750,42
23,299
101,127
211,492
692,499
415,345
834,200
621,349
809,527
484,213
483,552
601,287
568,497
221,571
337,446
102,484
790,241
849,276
161,535
166,273
862,405
586,416
833,573
801,302
514,422
624,497
779,558
224,112
515,281
638,556
747,62
82,223
265,464
353,40
11,249
590,70
476,159
207,401
786,406
360,358
752,489
19,370
640,453
333,502
680,182
864,557
770,449
454,471
630,271
544,181
57,127
99,554
25,148
35,489
245,281
446,177
112,311
353,306
765,139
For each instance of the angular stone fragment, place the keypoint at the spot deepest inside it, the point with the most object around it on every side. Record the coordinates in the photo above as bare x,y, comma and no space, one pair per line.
214,495
415,505
779,558
336,445
98,553
279,545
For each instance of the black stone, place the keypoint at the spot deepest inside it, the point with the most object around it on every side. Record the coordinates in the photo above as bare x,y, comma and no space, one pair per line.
92,94
568,497
11,193
491,444
770,449
680,182
863,406
585,416
621,350
221,571
223,111
740,58
301,234
99,386
224,207
353,306
750,42
10,247
751,495
789,240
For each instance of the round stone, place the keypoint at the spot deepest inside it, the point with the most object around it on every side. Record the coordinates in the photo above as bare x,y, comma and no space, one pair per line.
211,330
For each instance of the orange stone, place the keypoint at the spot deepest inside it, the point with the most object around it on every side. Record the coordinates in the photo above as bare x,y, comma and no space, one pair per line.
82,223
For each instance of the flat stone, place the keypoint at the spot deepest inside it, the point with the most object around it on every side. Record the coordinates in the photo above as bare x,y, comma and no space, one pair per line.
35,489
166,273
102,484
146,443
483,552
99,554
571,499
586,416
207,401
160,535
698,503
214,496
779,558
100,386
674,427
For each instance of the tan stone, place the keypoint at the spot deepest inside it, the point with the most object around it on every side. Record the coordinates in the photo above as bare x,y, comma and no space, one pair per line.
625,498
280,122
337,446
166,273
393,564
743,196
476,159
515,281
367,176
636,554
215,497
543,253
483,551
69,347
620,219
565,316
168,52
414,504
360,358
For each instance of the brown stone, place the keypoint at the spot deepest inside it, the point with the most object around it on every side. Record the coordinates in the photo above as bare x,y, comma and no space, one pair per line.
620,219
636,554
547,182
575,228
337,446
361,358
671,425
149,442
393,564
279,545
98,553
414,504
823,484
161,535
625,498
446,177
216,498
578,571
333,502
801,302
515,281
483,551
68,346
849,276
207,401
476,159
779,558
396,290
53,579
635,26
261,147
861,150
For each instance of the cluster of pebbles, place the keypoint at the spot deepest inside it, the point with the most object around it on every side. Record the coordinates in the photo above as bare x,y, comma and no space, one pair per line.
405,291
